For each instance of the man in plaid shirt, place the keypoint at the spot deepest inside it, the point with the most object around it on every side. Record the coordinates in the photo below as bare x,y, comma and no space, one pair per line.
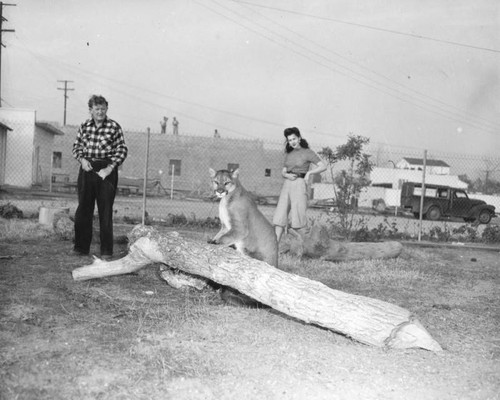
100,148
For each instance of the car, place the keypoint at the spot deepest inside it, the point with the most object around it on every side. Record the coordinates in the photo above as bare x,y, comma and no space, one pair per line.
444,201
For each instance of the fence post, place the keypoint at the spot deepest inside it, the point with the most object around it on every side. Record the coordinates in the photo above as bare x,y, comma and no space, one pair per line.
51,171
144,186
172,183
422,195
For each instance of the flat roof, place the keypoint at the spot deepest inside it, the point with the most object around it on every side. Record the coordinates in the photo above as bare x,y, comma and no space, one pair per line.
49,128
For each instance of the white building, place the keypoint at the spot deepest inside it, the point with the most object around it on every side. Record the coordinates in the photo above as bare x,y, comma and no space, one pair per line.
4,130
392,178
386,182
432,167
25,148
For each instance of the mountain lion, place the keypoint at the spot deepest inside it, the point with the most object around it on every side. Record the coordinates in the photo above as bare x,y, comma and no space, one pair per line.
243,225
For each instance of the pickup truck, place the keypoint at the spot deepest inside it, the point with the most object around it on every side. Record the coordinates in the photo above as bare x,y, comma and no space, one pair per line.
444,201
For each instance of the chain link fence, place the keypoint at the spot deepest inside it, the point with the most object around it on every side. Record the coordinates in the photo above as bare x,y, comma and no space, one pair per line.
165,178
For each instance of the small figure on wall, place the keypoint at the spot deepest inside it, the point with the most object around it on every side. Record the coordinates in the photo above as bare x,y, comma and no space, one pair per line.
163,124
175,125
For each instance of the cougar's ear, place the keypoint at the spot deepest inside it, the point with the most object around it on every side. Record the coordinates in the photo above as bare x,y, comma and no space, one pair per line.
212,172
235,173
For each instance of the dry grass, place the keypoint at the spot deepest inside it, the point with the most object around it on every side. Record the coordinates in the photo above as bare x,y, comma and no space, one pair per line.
133,337
358,273
22,229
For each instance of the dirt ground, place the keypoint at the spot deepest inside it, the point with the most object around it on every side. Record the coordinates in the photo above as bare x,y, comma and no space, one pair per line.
134,337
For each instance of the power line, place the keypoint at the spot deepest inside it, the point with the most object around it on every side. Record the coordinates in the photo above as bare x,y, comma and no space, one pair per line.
426,106
429,107
137,89
371,27
163,95
371,83
459,111
147,101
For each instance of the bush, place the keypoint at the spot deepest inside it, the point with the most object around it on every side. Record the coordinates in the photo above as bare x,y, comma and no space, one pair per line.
9,211
491,234
349,182
383,231
465,233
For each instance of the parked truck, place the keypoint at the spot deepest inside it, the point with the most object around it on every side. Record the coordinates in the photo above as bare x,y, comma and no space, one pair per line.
444,201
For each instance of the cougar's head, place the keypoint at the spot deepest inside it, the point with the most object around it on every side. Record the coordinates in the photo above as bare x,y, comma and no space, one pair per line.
223,181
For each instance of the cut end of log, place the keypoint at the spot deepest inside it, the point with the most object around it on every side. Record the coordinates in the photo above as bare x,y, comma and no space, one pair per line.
412,334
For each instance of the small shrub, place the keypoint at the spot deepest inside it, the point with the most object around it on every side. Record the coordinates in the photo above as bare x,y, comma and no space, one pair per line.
212,223
465,233
178,219
362,234
135,220
9,211
130,220
349,182
181,220
436,233
491,234
385,230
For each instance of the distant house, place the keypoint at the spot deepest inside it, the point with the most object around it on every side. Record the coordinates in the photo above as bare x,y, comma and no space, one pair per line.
433,167
386,182
25,148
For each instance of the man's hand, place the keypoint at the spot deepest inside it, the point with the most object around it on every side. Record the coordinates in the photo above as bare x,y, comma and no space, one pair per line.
103,173
86,165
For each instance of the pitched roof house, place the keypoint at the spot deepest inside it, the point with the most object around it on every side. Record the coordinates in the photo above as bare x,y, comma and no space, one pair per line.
433,167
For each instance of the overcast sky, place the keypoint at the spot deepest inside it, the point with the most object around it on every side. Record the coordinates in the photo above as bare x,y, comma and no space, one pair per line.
422,74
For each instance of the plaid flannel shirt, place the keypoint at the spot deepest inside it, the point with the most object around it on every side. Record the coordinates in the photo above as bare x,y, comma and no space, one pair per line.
104,142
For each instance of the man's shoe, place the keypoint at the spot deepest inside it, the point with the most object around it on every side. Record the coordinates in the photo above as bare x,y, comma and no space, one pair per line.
77,253
106,257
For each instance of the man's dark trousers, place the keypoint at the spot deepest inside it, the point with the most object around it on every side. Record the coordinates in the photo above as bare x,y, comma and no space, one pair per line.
93,189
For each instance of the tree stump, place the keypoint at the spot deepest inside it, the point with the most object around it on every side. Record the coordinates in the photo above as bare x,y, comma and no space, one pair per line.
370,321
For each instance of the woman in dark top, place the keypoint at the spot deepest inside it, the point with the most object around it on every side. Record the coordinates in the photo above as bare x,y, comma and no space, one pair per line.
292,203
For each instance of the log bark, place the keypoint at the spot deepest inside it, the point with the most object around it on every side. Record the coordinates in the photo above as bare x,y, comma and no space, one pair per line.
370,321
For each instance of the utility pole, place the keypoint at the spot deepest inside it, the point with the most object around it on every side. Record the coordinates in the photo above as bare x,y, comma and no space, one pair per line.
491,168
65,88
2,19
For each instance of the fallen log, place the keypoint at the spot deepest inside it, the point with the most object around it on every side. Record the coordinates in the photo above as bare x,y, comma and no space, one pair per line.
370,321
317,244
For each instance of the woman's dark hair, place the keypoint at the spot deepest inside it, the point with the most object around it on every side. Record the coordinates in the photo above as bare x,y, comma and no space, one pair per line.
97,100
294,131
